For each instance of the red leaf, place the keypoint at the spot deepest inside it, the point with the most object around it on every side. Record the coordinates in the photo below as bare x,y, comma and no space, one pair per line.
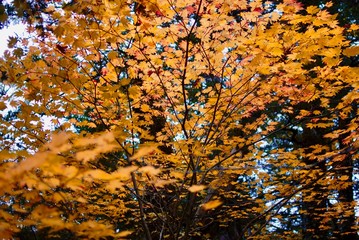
62,49
191,9
159,13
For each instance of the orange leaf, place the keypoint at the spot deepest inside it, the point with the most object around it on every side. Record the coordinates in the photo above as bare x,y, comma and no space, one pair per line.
212,204
196,188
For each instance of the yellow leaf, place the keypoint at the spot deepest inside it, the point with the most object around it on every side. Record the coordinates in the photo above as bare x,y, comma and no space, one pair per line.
331,135
57,197
134,91
212,204
53,182
75,184
125,81
344,178
124,173
145,108
69,171
19,209
144,151
123,233
149,170
329,4
59,142
99,174
352,51
55,222
114,185
277,52
2,106
81,200
112,55
178,175
196,188
91,125
312,9
86,155
31,162
354,27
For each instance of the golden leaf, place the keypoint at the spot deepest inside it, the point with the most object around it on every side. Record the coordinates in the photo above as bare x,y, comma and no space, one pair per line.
123,233
98,174
196,188
351,51
144,151
59,142
149,170
312,9
212,204
124,172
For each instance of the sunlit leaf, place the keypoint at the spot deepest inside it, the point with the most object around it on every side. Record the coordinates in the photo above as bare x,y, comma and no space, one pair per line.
212,204
196,188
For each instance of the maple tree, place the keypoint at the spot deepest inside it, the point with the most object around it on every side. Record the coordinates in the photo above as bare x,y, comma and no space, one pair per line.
319,206
179,120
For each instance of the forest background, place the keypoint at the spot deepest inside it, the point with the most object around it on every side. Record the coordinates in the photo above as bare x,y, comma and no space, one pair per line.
199,119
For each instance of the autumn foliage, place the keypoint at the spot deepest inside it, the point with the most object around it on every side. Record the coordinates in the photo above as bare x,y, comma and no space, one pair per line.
179,120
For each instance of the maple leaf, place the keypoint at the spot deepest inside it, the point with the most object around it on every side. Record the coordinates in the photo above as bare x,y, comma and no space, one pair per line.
191,9
212,204
196,188
294,3
62,49
352,51
144,151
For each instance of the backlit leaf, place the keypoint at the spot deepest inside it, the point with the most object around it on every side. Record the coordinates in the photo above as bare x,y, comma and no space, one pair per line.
212,204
